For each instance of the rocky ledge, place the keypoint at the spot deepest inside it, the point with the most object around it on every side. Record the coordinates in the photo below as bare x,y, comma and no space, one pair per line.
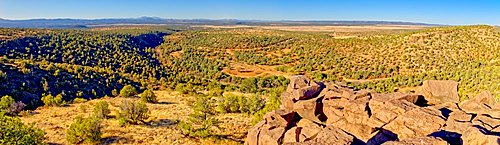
330,113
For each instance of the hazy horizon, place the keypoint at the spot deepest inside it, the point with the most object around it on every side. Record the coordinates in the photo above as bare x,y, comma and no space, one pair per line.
444,12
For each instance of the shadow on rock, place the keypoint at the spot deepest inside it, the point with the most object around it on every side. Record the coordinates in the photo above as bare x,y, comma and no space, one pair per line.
452,138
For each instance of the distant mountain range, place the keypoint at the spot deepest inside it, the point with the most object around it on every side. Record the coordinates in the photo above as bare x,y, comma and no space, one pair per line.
85,23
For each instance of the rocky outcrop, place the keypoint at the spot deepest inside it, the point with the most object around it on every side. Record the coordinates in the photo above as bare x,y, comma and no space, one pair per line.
330,113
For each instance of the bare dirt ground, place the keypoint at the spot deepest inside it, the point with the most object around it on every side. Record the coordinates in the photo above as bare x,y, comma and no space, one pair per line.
160,128
248,71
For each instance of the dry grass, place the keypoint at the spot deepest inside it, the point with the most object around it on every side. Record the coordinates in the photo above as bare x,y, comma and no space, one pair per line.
160,128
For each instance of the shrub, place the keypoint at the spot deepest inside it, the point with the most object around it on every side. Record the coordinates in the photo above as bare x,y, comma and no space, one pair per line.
13,131
253,104
240,104
128,91
5,102
10,107
201,121
86,130
133,112
101,109
114,93
83,108
50,100
273,104
15,108
148,96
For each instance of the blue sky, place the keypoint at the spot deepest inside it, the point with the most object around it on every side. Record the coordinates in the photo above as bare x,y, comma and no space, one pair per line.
456,12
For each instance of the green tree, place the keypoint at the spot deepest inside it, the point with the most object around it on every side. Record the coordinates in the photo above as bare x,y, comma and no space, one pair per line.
128,91
86,130
148,96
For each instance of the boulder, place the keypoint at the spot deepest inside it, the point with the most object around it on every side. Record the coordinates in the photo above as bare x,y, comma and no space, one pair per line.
271,129
360,131
330,135
439,91
253,134
487,122
458,122
416,123
481,104
385,108
475,136
418,141
301,88
292,135
311,109
308,129
354,111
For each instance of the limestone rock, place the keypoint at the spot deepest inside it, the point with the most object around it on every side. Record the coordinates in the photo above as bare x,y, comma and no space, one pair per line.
440,91
481,104
331,113
475,136
417,122
309,129
311,109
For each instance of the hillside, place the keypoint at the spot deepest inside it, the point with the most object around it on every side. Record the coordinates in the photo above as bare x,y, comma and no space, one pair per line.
392,61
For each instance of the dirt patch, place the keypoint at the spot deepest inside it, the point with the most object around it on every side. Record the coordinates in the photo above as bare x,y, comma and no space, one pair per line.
248,71
177,54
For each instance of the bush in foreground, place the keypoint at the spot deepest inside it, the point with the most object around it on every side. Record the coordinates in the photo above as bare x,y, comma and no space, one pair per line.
148,96
13,131
10,107
132,112
201,121
101,109
86,130
128,91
